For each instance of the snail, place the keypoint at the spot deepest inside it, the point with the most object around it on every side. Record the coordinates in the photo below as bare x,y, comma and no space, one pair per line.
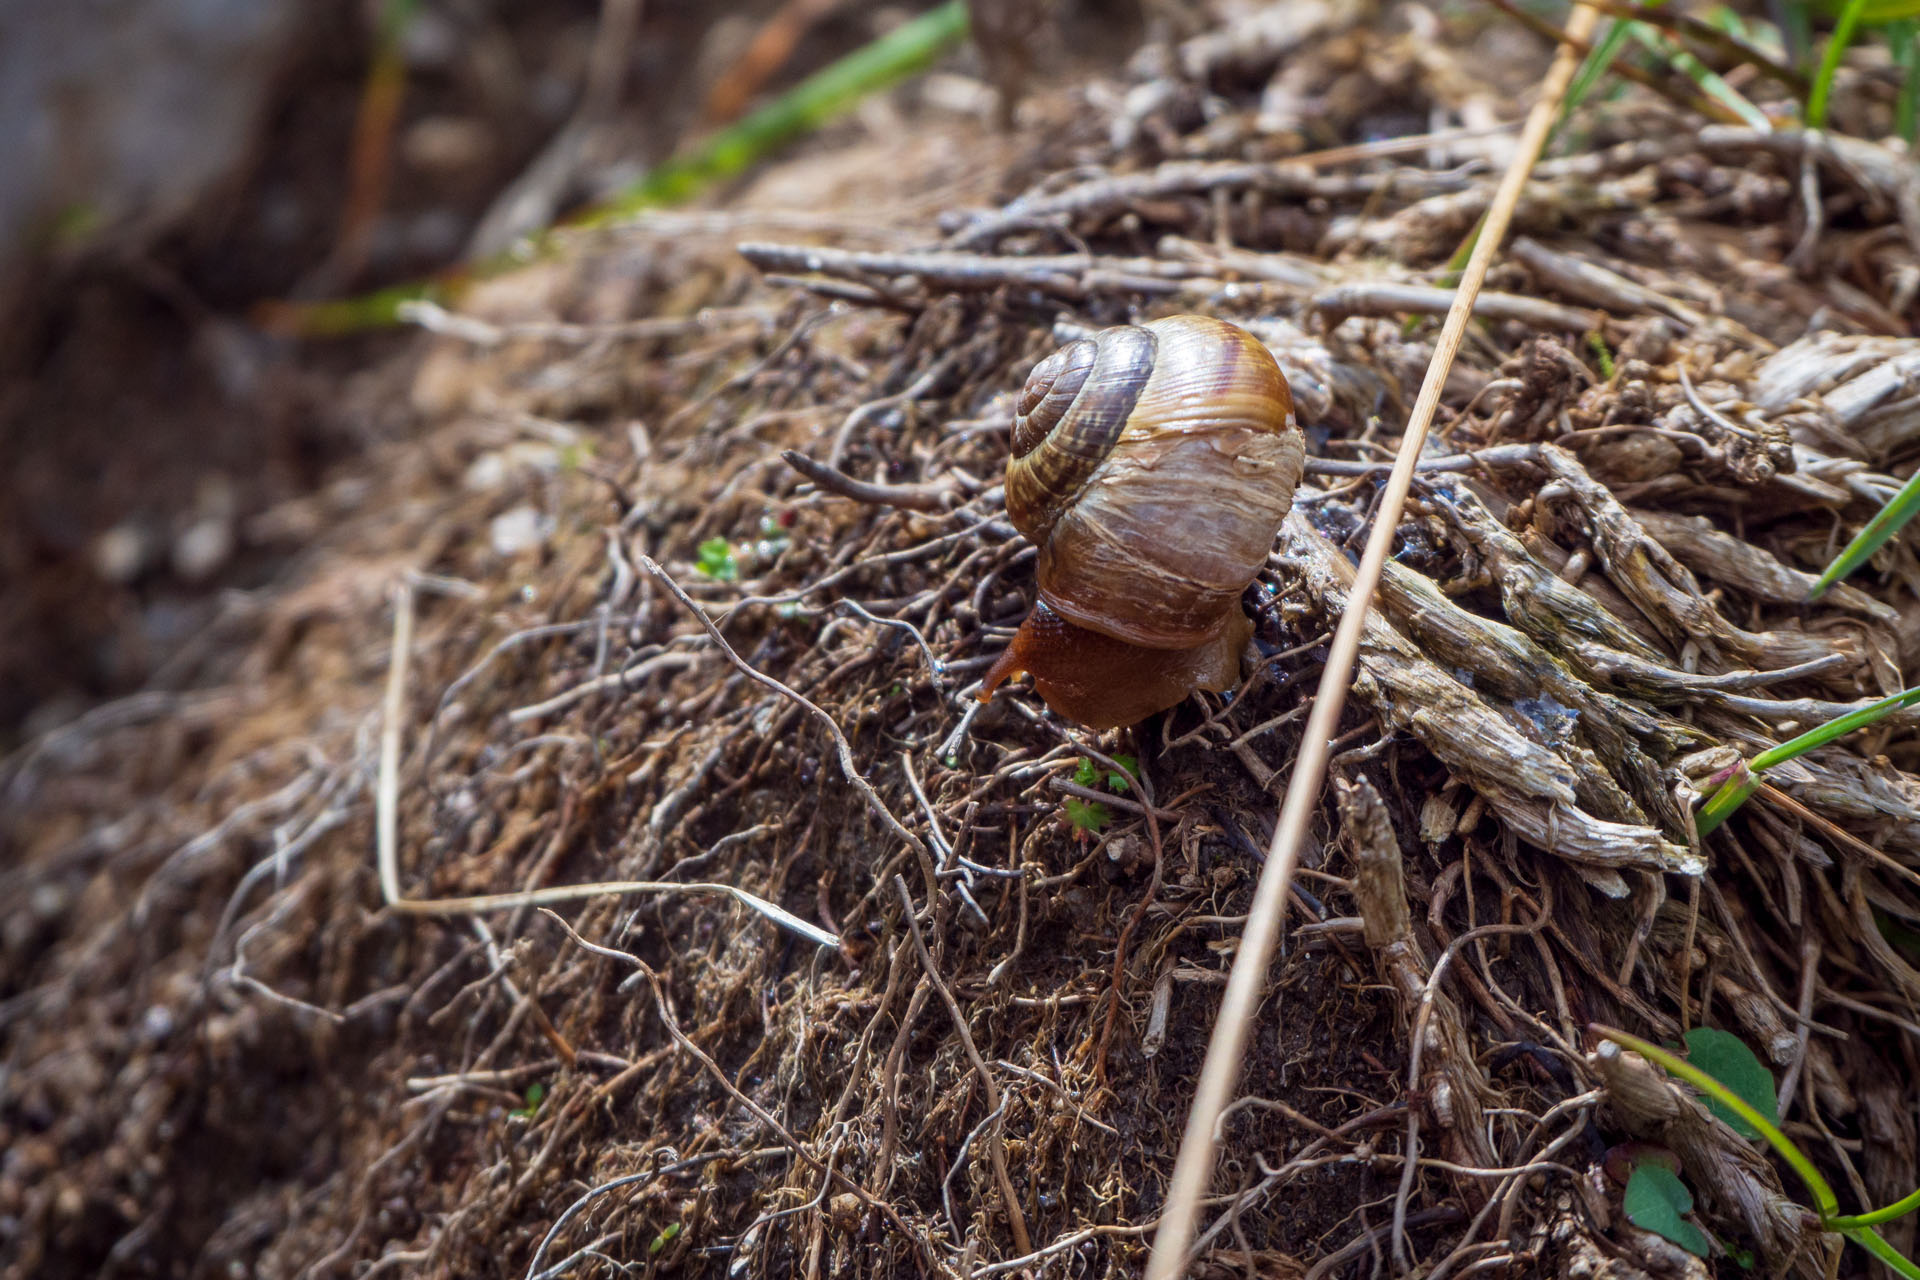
1152,466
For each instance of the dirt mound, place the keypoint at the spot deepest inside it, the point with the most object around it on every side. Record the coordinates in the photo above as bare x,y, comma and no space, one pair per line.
588,625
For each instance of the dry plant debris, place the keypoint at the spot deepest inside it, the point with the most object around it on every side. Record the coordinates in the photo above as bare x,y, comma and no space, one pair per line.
642,637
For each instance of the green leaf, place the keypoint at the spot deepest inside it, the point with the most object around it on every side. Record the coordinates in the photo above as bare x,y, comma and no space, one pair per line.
1087,816
1727,1059
664,1239
1657,1201
1602,354
716,560
1122,782
1890,520
1818,1186
1085,774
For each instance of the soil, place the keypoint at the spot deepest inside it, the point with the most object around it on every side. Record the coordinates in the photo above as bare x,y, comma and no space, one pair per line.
542,605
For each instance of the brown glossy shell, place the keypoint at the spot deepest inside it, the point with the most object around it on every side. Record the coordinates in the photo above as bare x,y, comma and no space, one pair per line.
1152,466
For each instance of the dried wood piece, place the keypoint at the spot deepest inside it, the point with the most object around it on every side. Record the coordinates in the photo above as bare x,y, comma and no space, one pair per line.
1601,735
1088,204
1666,591
1866,388
1390,298
1537,600
1452,1081
1530,786
1579,278
1696,542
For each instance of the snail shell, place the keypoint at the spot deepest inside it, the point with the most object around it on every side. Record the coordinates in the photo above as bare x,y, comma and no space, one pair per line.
1152,466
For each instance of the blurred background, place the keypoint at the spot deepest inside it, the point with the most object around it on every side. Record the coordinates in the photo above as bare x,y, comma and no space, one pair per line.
173,166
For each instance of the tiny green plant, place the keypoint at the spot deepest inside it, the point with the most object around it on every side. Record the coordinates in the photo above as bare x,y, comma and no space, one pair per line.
1742,1097
667,1236
717,561
1087,815
1091,815
1602,353
536,1094
1742,780
1087,774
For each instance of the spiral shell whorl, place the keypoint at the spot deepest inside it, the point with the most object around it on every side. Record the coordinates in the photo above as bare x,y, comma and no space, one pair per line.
1155,497
1069,416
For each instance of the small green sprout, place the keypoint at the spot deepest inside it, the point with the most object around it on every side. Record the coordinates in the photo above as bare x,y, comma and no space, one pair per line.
716,560
666,1237
1088,815
1602,353
536,1094
1091,815
1087,774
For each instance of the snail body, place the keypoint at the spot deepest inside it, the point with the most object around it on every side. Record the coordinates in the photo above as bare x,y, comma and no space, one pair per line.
1152,466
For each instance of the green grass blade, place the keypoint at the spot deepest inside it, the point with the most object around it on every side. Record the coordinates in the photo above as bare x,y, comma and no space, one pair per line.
1898,1209
1876,13
1598,62
1870,1240
1731,794
902,52
1821,735
1903,37
907,49
1796,31
1744,780
1710,81
1830,63
1888,521
1822,1193
1720,30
